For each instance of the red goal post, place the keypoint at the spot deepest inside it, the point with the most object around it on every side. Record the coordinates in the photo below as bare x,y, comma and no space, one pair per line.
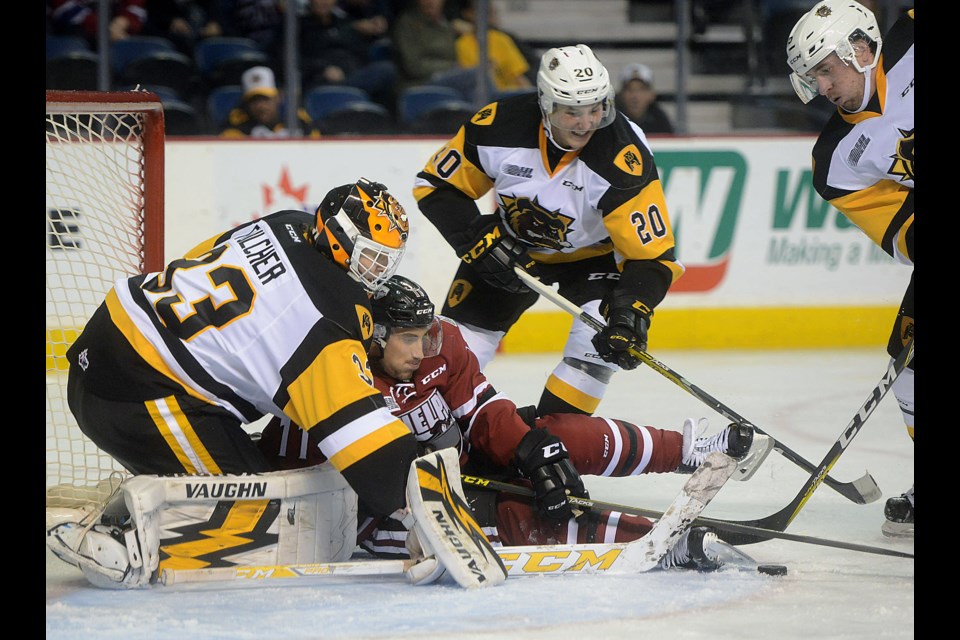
104,203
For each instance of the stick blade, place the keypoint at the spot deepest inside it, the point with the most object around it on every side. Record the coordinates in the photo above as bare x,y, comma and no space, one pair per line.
867,489
645,554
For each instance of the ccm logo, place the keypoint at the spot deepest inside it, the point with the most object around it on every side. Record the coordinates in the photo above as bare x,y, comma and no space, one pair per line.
552,450
433,374
487,241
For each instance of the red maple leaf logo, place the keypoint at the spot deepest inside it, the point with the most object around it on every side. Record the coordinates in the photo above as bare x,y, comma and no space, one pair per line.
284,188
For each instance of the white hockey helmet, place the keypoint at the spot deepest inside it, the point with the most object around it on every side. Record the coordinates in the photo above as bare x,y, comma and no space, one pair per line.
574,77
832,26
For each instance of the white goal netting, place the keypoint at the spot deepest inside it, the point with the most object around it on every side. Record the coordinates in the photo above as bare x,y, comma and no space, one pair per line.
104,203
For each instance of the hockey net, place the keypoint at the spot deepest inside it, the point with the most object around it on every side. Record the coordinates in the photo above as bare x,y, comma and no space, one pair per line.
104,202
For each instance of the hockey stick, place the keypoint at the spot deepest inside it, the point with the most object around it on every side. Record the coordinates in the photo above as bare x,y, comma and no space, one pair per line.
781,519
861,491
253,573
619,558
719,525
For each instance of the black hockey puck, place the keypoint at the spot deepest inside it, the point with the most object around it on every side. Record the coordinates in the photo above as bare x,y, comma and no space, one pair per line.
772,569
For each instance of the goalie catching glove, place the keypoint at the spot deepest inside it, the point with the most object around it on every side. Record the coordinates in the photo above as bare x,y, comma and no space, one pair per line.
627,322
543,459
494,253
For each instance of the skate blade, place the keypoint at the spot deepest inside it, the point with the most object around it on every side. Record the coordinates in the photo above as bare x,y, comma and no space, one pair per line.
759,450
897,529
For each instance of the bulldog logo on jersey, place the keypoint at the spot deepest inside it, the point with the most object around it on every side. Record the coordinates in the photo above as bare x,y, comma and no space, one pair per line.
536,225
629,160
366,322
906,329
903,160
459,290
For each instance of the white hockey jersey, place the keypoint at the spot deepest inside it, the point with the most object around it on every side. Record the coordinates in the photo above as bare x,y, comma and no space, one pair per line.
863,163
606,198
255,321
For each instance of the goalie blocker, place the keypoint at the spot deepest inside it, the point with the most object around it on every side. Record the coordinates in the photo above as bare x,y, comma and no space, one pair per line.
156,523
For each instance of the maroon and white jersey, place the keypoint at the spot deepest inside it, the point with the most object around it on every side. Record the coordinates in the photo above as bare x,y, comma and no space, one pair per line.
450,403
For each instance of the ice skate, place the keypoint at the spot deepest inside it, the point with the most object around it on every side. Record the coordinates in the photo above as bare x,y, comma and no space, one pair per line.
743,444
693,551
899,516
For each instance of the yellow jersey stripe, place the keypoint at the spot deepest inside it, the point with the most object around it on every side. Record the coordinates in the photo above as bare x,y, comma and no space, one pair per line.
361,448
141,345
181,437
872,209
325,387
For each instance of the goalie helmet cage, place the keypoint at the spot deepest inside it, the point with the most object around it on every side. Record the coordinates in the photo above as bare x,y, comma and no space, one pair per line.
104,203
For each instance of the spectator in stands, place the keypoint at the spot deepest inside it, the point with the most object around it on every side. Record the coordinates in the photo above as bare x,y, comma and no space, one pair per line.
332,51
259,20
637,99
260,112
183,22
424,45
508,66
79,18
371,18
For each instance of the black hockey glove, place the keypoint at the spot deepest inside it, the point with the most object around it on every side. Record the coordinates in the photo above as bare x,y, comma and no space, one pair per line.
493,254
542,458
627,322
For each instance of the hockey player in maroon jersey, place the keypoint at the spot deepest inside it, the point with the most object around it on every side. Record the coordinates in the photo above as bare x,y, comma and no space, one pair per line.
433,383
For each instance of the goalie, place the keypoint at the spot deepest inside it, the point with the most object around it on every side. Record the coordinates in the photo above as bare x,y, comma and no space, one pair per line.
270,317
433,383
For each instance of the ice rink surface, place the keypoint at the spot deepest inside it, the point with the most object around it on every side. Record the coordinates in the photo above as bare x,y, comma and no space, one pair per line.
806,399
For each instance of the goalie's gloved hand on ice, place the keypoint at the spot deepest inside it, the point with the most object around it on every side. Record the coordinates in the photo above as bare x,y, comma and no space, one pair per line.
627,322
543,459
494,252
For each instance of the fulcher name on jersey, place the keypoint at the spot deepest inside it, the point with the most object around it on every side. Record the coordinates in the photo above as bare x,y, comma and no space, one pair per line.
261,253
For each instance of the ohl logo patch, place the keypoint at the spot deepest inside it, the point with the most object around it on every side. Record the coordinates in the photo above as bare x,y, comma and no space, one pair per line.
536,225
903,159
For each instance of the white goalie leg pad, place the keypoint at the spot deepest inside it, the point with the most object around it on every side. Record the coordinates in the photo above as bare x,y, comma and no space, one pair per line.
299,516
320,526
443,526
315,521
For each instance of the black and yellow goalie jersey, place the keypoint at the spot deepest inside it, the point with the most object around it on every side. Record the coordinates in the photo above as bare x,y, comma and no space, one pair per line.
255,321
606,198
